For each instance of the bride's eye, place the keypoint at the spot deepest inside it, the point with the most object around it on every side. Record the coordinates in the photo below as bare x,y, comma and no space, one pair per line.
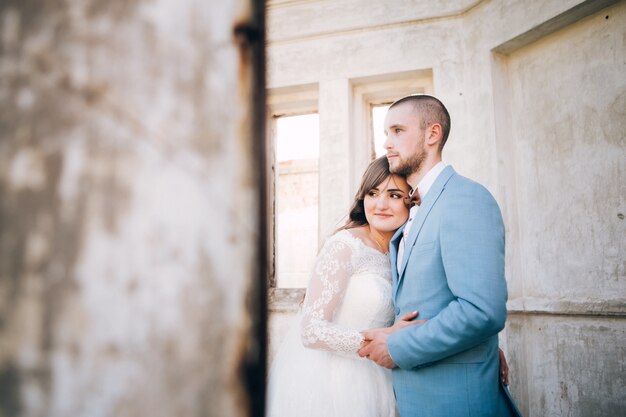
396,195
372,193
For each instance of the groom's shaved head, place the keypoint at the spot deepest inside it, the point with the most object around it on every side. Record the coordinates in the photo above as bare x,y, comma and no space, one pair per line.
430,111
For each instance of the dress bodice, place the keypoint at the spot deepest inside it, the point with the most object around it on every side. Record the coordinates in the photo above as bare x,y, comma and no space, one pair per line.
349,291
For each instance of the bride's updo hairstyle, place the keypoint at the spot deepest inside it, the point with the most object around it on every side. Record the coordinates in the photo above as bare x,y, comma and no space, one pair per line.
376,172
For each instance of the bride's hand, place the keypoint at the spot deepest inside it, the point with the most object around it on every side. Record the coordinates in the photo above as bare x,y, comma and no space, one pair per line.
504,368
406,320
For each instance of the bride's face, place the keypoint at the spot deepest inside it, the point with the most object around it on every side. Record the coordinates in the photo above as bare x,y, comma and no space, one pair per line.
384,204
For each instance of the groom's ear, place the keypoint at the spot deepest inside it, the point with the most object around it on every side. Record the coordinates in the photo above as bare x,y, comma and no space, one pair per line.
434,133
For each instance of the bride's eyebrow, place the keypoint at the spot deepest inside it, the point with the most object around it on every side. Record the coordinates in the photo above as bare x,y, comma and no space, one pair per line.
395,190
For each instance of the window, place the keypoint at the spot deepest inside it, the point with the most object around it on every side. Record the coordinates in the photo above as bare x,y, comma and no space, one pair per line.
296,209
378,114
293,140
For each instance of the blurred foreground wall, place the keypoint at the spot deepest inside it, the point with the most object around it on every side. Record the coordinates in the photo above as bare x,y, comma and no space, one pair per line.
131,246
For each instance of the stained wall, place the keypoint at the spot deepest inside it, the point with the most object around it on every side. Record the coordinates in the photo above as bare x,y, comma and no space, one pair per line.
131,240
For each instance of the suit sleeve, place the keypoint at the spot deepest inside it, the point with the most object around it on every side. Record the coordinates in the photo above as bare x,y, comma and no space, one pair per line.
472,252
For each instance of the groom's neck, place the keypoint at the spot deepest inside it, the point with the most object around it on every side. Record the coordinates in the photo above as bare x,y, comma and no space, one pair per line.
414,179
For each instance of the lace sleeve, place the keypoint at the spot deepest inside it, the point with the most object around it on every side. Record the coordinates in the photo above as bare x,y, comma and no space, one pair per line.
324,295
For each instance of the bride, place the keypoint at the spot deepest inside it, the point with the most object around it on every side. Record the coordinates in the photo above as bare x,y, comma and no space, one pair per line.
317,371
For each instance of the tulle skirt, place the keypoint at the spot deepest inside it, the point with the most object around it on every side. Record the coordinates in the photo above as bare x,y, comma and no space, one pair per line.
313,383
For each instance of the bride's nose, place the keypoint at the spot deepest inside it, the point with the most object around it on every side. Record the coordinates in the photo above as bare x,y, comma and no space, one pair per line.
383,202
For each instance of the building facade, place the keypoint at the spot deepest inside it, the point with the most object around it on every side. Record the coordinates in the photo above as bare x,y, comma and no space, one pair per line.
132,249
537,96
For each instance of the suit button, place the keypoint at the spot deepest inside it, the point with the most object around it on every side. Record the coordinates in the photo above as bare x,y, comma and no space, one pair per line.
397,311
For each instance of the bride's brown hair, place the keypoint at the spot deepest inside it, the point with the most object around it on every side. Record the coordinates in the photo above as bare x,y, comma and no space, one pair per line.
376,172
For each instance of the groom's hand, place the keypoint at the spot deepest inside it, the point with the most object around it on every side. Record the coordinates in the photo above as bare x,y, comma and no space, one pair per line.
405,321
374,345
375,348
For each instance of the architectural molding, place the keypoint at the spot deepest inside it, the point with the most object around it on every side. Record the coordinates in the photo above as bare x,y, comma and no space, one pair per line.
292,100
542,306
274,4
288,32
568,17
285,299
288,300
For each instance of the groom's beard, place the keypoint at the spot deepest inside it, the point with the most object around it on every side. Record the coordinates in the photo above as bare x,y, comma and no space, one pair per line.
409,166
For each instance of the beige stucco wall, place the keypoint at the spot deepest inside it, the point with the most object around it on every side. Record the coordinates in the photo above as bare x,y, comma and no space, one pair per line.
536,92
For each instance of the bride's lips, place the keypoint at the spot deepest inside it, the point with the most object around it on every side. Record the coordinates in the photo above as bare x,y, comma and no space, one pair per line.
383,215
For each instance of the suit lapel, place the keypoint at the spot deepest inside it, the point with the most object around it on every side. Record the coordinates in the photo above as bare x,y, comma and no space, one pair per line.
422,213
393,254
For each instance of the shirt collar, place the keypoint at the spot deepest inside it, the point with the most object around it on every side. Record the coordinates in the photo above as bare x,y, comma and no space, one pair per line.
429,179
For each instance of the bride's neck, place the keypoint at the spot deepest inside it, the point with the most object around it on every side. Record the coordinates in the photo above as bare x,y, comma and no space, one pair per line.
382,238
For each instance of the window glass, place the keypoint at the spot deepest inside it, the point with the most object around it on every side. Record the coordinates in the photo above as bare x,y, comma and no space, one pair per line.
378,128
297,179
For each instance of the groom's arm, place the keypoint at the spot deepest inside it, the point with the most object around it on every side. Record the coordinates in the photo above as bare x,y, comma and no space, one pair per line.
472,251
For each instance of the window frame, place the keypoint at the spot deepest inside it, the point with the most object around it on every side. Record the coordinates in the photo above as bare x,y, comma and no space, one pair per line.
282,102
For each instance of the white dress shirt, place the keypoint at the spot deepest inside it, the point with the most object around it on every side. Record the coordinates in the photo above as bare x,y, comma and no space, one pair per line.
423,187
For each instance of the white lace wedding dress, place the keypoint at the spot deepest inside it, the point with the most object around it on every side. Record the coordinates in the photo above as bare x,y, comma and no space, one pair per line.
317,371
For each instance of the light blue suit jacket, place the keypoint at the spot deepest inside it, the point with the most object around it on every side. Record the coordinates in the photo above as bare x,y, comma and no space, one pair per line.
453,274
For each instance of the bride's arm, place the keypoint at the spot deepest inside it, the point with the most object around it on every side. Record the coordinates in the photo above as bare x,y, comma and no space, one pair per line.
327,287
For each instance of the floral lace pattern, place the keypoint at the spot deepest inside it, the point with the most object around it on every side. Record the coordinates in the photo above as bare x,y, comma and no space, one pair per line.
342,258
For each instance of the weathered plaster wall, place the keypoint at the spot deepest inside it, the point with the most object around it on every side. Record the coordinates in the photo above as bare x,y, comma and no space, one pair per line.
566,199
536,93
129,208
567,366
567,142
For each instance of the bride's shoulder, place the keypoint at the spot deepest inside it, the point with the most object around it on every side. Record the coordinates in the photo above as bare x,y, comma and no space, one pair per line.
351,237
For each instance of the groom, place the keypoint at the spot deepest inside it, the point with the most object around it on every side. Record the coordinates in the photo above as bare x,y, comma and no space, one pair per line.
448,263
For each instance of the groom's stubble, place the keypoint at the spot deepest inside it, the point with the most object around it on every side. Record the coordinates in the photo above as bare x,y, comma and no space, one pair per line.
411,165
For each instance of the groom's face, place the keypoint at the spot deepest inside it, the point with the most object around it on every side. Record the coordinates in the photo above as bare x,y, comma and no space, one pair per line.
406,140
